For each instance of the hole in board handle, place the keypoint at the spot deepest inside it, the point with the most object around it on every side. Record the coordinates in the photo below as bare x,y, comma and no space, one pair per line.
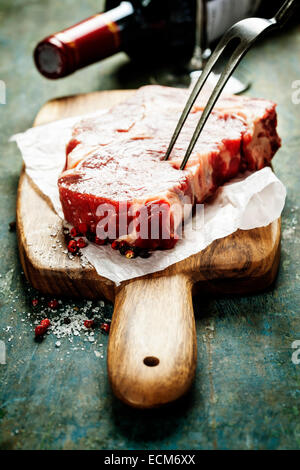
151,361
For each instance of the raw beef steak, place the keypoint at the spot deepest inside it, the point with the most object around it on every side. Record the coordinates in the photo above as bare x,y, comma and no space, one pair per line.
115,179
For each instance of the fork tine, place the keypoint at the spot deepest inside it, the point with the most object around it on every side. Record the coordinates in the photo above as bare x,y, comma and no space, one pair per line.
196,90
236,57
247,37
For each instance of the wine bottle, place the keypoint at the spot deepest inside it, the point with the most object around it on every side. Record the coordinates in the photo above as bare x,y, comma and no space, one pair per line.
147,30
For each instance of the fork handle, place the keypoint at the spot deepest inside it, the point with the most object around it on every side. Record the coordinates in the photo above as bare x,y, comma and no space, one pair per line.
285,12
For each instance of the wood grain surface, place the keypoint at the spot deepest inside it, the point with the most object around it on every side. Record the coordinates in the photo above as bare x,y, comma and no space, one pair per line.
152,346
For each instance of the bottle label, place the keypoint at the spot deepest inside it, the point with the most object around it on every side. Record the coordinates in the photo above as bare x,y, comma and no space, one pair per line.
97,37
221,14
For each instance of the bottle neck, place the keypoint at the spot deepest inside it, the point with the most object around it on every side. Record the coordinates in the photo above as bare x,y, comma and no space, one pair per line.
87,42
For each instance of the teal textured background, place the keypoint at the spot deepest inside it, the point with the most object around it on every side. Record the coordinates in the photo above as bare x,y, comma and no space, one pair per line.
247,390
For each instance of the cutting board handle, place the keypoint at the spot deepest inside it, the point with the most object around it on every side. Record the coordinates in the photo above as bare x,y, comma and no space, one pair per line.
152,345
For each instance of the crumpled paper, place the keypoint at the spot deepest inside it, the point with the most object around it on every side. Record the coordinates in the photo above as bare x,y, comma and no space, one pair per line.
249,201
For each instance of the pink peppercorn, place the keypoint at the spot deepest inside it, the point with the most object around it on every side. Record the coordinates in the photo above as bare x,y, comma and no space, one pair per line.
72,246
83,228
74,232
53,304
88,323
40,330
81,243
45,323
99,241
105,327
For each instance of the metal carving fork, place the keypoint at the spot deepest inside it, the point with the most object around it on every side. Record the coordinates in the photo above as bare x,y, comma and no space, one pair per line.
241,37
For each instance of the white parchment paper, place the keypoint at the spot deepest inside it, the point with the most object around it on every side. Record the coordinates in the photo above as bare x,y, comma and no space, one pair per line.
250,201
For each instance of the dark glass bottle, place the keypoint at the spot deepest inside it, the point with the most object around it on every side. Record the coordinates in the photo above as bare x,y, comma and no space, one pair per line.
147,30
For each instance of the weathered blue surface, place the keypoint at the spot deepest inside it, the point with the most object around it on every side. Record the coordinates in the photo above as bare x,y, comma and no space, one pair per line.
247,391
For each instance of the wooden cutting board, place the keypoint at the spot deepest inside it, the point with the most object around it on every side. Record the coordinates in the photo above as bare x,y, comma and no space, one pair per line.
152,344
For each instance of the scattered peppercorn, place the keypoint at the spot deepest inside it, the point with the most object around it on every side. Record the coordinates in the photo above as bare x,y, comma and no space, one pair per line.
105,327
67,237
88,323
34,302
81,243
144,254
45,323
99,241
74,232
83,228
12,226
130,254
96,323
40,330
72,246
123,247
67,321
90,236
123,250
115,245
53,304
